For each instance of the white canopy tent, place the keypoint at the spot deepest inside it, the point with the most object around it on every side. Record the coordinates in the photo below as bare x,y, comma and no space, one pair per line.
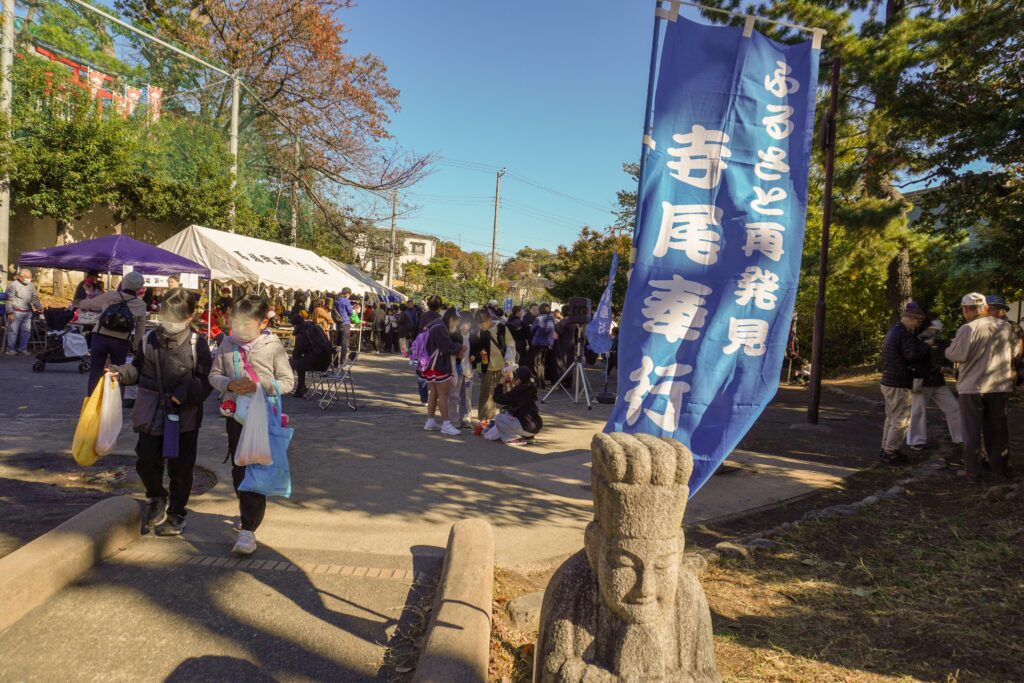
238,259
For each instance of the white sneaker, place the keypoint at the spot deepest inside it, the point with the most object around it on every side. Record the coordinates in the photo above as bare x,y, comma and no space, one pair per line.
246,543
450,429
431,425
10,353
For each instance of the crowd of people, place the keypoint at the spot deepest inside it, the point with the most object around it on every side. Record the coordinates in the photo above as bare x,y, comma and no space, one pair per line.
155,340
985,356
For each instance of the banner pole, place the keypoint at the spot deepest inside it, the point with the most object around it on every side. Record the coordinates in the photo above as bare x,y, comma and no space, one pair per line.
648,115
818,339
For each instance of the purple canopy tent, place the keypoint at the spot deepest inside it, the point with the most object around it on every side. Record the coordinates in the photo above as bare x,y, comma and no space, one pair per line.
111,254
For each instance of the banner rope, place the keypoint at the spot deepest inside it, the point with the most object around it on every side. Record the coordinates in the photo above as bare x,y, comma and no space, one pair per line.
672,14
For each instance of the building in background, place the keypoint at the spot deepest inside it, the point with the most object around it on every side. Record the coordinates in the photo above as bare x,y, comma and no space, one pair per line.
374,249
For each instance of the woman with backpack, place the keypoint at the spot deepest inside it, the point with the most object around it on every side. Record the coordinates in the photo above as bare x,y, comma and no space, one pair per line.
520,420
250,354
461,396
435,352
122,317
172,370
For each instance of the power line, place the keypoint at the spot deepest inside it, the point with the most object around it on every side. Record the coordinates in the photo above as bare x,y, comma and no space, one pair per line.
485,168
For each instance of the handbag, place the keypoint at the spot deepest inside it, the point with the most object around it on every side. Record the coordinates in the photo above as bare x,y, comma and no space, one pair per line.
172,421
274,479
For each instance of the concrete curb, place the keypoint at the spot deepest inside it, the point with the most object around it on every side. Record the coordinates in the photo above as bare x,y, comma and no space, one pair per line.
458,642
35,572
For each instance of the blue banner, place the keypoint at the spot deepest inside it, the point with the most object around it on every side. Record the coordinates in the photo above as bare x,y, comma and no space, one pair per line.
720,229
599,330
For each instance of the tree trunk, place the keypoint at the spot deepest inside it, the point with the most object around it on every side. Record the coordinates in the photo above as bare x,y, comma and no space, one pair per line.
898,285
58,274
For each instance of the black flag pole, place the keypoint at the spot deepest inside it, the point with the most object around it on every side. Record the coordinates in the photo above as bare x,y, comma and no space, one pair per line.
828,141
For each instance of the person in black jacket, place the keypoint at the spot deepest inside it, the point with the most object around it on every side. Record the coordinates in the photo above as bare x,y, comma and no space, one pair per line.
172,371
520,333
437,376
901,350
520,421
312,351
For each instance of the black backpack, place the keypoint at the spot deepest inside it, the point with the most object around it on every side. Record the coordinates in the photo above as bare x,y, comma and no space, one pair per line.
118,317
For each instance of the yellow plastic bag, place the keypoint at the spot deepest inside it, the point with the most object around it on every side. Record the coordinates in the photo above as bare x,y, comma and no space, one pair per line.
83,446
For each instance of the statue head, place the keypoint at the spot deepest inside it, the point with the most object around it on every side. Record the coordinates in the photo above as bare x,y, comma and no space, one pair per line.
635,543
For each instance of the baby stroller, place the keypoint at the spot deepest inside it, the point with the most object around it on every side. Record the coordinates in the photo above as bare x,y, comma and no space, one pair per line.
64,343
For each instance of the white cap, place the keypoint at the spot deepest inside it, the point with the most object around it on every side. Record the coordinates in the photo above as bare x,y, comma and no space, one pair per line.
973,299
935,324
492,302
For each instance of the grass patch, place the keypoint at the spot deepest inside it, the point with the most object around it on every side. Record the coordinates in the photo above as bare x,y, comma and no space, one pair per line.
929,586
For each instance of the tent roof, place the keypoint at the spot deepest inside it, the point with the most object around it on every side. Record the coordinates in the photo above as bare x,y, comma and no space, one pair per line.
240,259
110,254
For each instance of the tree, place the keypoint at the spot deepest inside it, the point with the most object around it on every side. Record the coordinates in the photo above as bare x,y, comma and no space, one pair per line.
75,156
891,42
582,269
965,111
625,213
305,86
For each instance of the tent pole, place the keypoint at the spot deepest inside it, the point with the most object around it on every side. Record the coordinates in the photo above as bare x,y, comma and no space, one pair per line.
209,309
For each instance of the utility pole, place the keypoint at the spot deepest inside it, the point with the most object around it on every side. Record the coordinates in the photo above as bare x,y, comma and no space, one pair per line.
828,141
494,236
295,196
6,63
394,237
233,142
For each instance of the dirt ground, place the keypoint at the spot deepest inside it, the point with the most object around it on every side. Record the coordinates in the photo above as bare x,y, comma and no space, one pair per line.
928,586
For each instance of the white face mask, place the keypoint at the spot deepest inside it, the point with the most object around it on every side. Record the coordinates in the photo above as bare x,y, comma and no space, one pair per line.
244,331
172,327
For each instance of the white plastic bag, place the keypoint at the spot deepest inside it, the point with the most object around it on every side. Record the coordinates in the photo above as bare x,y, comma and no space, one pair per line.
110,415
254,443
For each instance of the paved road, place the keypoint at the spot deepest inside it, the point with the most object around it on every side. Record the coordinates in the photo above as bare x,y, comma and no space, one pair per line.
374,499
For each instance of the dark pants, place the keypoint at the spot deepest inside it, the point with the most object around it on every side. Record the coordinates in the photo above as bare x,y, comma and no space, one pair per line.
251,506
344,332
150,466
103,352
984,416
302,365
539,362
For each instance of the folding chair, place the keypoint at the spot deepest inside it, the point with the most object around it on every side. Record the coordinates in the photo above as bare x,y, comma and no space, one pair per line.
318,383
336,383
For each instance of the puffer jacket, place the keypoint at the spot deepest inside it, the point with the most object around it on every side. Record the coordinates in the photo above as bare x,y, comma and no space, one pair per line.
901,350
267,358
184,377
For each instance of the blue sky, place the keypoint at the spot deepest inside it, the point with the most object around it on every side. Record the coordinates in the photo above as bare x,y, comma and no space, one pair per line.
552,90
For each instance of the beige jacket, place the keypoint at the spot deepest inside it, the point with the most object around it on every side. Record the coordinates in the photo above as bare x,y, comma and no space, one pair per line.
267,357
984,349
105,300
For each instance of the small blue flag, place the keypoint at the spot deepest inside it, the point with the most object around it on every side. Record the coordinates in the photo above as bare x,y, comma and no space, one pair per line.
599,331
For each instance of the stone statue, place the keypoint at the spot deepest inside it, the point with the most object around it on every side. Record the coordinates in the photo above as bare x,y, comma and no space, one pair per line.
627,608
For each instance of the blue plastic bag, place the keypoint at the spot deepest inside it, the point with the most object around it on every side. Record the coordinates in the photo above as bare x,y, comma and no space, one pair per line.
274,479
